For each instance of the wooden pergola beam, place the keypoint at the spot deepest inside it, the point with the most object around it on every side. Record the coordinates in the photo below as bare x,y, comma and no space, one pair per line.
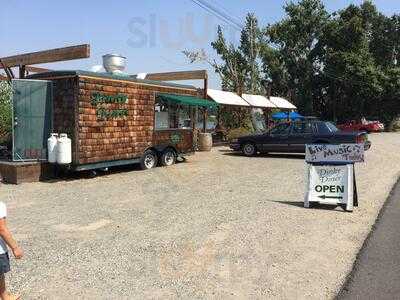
183,75
36,69
47,56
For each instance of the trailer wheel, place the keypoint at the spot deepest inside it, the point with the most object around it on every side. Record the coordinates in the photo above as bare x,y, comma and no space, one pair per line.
92,173
168,158
148,160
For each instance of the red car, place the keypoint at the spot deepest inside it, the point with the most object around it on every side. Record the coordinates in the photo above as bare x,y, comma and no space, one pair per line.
362,125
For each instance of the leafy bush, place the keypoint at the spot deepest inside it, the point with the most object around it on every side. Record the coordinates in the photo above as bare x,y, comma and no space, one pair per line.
395,125
231,118
238,132
5,110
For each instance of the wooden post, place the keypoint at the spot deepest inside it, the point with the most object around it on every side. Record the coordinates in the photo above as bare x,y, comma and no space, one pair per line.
176,119
191,116
205,86
22,71
218,116
205,120
195,131
193,125
9,72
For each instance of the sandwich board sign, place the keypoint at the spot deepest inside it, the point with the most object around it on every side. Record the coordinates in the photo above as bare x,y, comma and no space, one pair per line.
330,184
331,175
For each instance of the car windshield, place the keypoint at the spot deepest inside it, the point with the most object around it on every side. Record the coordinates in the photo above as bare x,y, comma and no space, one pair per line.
331,127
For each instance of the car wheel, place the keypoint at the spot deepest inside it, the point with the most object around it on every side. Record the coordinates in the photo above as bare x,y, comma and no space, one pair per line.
168,158
249,149
148,160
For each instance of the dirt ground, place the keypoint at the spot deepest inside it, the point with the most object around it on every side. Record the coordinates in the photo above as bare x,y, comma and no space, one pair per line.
217,226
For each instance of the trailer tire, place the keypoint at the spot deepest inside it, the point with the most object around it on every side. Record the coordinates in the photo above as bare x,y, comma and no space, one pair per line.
148,160
168,157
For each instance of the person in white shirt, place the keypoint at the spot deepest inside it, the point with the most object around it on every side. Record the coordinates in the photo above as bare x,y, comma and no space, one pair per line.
6,239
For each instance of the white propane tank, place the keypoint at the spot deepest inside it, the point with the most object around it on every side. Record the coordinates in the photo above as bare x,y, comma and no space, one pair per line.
52,148
64,155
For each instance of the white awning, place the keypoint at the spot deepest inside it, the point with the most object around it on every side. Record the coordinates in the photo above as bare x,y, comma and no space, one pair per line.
258,101
282,103
230,98
226,98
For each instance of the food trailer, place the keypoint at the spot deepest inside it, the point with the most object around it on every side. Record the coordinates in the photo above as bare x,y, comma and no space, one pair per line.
111,119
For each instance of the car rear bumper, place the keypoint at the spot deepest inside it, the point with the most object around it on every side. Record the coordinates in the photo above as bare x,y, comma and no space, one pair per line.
235,146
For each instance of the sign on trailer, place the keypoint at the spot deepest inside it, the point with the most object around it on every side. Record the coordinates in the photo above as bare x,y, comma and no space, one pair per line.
343,153
330,184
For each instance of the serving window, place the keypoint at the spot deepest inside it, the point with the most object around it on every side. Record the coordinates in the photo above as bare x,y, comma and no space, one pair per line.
170,115
211,118
184,112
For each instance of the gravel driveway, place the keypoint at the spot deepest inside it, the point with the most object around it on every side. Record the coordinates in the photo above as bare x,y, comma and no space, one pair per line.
217,226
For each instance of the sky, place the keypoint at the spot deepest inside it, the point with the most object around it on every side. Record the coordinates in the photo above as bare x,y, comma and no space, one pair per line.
151,34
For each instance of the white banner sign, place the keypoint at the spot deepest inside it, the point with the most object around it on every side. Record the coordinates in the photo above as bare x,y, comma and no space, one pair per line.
346,153
330,184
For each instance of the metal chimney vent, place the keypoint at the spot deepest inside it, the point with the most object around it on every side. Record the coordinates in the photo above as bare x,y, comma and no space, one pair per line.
114,63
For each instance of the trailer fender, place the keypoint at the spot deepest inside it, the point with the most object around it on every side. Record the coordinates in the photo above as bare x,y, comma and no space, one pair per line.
161,148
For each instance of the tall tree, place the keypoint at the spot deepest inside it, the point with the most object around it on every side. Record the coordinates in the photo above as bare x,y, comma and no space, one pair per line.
274,69
349,66
339,66
250,47
233,67
239,66
296,38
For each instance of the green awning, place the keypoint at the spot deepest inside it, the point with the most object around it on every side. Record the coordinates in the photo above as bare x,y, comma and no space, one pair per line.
187,100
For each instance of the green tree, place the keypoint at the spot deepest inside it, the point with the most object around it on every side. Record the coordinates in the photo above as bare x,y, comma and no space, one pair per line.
296,38
274,69
339,66
251,44
382,34
5,109
354,79
233,67
239,67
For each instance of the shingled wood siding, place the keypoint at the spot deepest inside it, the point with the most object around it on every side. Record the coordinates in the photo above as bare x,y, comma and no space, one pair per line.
65,95
123,137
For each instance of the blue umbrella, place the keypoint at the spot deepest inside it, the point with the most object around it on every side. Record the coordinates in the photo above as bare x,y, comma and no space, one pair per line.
284,115
279,116
295,115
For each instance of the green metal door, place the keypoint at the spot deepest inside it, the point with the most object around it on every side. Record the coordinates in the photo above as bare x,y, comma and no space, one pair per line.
32,103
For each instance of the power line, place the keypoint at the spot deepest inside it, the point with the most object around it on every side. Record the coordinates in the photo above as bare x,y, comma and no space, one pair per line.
237,20
224,16
216,6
